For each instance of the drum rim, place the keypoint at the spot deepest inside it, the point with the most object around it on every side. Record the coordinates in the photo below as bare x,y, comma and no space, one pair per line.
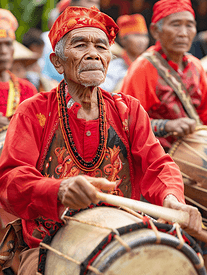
166,239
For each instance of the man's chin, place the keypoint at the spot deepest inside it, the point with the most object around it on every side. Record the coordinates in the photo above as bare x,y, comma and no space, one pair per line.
90,83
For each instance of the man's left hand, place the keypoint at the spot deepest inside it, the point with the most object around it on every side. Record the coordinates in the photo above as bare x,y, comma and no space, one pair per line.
194,225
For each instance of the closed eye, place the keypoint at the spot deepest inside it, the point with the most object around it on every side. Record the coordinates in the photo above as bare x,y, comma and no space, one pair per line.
101,47
80,46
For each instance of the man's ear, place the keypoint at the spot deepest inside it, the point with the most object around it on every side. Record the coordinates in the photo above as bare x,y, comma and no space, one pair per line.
57,63
154,30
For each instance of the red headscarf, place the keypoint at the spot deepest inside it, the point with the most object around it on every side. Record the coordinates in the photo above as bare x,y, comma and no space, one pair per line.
134,23
79,17
164,8
8,24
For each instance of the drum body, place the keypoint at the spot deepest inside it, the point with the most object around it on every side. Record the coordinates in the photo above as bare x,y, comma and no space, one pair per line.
190,154
78,240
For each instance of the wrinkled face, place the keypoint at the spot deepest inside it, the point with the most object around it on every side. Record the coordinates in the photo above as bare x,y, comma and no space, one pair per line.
6,53
136,43
88,56
178,32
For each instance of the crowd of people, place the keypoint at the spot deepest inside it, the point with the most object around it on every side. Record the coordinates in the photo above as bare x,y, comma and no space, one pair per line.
81,118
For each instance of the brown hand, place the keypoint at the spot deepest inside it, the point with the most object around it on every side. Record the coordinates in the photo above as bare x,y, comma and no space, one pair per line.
194,225
3,121
79,192
181,126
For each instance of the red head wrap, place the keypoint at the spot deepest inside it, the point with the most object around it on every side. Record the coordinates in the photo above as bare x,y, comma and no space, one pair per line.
79,17
134,23
164,8
8,24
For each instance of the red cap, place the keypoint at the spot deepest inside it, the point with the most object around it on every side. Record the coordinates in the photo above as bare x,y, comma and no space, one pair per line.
79,17
134,23
164,8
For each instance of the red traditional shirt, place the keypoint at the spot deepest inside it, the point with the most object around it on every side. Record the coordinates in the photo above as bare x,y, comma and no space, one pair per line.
29,190
158,99
27,90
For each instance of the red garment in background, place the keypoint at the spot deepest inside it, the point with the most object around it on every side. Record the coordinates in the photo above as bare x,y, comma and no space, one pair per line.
26,193
27,90
158,99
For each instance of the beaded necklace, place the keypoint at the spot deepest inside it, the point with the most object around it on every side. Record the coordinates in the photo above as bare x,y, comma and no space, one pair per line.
67,134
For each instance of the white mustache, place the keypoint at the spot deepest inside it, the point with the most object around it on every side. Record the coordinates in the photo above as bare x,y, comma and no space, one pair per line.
91,67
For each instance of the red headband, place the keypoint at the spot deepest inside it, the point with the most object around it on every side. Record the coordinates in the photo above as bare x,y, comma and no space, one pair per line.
164,8
79,17
8,24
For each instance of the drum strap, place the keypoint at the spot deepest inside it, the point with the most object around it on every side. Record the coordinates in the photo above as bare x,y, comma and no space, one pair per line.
172,78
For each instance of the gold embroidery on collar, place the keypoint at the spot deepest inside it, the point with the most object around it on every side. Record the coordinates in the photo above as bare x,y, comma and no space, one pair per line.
42,119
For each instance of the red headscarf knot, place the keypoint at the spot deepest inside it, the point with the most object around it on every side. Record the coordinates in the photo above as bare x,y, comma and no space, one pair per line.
79,17
164,8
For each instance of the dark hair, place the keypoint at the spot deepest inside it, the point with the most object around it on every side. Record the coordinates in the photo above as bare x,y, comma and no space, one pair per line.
32,37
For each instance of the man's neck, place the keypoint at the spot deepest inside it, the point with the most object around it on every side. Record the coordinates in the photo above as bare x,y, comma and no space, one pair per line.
131,56
4,76
87,97
176,58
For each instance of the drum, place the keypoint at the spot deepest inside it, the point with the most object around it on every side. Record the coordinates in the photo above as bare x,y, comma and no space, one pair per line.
107,240
3,131
190,154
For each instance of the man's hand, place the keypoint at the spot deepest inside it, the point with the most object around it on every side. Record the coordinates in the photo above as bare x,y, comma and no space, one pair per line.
194,226
3,120
79,192
181,126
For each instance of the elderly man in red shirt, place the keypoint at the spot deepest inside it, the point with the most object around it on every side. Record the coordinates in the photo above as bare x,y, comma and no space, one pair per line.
170,84
13,90
60,144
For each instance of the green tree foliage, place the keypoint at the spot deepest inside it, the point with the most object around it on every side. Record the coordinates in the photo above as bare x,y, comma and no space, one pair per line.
29,13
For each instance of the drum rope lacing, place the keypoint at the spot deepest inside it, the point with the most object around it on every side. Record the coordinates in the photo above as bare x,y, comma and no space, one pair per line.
91,268
116,236
154,225
119,239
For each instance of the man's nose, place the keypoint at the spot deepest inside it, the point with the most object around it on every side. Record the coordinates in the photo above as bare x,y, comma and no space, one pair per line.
3,49
92,53
183,31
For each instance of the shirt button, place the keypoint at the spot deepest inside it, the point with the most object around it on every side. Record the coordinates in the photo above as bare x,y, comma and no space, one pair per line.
88,133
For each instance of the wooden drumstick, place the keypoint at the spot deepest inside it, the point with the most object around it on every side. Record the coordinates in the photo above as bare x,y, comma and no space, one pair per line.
170,215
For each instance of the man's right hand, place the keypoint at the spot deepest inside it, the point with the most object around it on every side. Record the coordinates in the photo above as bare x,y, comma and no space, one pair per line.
79,192
3,121
181,126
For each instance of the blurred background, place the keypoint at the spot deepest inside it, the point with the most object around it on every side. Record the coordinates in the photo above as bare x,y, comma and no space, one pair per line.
35,13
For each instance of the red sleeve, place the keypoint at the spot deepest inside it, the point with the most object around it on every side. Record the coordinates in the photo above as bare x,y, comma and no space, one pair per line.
140,82
24,191
160,175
